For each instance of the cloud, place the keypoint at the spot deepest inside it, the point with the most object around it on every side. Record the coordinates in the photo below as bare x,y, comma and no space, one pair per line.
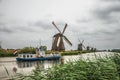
1,15
83,20
47,25
25,29
103,32
111,33
110,0
6,29
13,28
107,10
42,24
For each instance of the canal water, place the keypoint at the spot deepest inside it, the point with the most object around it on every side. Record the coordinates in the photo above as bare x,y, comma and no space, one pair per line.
9,66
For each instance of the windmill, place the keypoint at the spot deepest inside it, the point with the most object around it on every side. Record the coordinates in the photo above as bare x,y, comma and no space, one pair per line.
58,44
88,48
81,45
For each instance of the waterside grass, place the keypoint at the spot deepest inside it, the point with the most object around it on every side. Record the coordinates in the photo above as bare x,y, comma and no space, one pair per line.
101,69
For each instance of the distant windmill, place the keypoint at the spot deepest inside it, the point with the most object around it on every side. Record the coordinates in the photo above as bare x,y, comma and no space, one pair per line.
88,48
81,45
57,44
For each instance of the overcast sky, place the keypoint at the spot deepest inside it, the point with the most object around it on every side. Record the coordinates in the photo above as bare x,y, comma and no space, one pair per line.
27,22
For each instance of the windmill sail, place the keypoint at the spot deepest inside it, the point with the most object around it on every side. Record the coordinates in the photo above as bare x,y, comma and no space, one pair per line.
64,28
67,41
58,42
56,27
82,41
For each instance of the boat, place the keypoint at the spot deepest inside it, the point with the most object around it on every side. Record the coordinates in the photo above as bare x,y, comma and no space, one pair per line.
39,56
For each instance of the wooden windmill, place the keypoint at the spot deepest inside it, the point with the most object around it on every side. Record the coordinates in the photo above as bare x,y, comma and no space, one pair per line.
58,44
81,45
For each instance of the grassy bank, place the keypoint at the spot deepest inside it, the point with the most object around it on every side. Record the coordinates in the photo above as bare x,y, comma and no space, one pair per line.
101,69
7,53
75,52
72,52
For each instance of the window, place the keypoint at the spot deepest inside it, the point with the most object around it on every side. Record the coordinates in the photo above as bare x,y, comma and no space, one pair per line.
23,56
27,55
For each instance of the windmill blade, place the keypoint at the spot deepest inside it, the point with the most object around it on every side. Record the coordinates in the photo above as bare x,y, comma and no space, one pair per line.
67,41
58,41
56,26
64,29
79,40
82,41
84,46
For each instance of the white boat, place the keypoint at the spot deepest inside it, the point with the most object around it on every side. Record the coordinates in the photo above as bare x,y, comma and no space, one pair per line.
40,55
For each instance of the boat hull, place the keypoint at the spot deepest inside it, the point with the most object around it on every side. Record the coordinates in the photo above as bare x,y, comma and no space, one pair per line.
39,59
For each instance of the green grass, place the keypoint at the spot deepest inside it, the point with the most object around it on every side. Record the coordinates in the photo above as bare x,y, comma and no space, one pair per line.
74,52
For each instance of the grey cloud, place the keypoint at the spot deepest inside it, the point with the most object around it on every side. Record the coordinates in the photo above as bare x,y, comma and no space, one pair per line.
48,25
110,0
1,15
103,32
25,29
107,32
104,12
44,25
6,29
83,20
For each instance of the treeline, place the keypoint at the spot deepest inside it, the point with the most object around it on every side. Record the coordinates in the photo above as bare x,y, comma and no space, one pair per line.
14,52
7,52
32,50
116,50
10,52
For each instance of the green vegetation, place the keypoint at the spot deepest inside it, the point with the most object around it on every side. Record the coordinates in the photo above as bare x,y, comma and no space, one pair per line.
27,50
74,52
116,50
101,69
6,53
9,52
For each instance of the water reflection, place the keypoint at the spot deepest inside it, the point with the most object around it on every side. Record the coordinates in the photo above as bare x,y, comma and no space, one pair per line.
24,64
41,64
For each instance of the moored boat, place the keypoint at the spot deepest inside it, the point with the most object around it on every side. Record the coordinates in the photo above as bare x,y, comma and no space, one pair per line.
39,56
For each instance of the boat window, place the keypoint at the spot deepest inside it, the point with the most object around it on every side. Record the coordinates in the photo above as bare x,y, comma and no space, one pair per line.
23,56
27,55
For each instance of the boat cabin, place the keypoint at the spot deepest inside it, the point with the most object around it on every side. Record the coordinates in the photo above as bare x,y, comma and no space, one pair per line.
27,55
